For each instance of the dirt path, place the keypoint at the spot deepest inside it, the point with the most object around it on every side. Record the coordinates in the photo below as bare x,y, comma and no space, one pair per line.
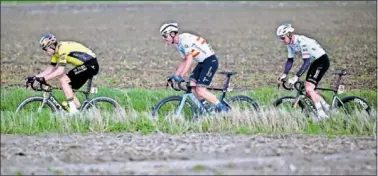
187,154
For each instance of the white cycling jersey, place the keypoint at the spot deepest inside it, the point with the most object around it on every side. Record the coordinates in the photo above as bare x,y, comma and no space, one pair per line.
309,48
195,45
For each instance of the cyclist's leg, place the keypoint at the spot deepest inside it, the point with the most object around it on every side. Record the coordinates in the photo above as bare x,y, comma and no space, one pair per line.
68,92
210,66
193,80
314,75
78,76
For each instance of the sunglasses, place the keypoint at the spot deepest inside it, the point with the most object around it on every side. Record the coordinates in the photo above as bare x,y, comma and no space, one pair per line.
165,35
45,48
282,37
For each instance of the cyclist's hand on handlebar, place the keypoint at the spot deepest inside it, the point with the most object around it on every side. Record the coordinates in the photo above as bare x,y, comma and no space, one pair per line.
292,80
282,77
176,78
40,80
30,79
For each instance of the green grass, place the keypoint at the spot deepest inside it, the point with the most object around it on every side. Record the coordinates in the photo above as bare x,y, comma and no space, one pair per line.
138,104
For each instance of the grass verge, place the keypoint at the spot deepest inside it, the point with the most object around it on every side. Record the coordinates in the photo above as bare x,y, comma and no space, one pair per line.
139,102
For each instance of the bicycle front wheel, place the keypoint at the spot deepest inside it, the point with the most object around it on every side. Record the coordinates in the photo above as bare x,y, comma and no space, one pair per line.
286,103
170,106
104,105
242,102
35,104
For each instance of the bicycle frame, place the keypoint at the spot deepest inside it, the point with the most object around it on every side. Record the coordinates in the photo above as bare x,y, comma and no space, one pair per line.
188,94
48,96
308,100
191,96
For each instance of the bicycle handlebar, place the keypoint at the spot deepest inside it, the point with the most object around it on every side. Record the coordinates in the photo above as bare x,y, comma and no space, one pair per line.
286,86
180,87
41,84
299,85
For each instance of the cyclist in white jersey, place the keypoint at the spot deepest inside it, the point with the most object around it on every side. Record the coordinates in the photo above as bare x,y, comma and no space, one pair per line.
192,47
315,60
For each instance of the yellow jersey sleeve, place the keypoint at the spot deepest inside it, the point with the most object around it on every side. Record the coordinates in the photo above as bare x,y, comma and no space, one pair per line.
54,60
62,55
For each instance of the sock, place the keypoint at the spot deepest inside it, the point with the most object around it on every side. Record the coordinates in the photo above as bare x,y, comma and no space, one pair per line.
71,104
318,105
323,103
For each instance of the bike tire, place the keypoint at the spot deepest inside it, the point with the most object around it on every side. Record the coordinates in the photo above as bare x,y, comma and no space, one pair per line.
354,99
119,110
160,104
36,99
288,99
242,98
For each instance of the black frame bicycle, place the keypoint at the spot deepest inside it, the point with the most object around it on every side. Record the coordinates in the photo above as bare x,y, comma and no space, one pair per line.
50,101
304,102
195,106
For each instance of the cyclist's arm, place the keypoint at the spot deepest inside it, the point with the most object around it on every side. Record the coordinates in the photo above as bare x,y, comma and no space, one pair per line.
47,71
305,66
290,60
186,53
62,61
180,67
57,72
186,64
306,59
288,65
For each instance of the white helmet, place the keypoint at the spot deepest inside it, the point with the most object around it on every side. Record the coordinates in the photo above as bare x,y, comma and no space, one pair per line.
167,28
284,29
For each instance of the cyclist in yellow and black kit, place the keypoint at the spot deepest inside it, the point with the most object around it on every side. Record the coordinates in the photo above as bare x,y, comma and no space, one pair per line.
61,53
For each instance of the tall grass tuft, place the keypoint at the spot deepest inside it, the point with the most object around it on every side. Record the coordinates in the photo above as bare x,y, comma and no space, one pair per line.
244,122
138,104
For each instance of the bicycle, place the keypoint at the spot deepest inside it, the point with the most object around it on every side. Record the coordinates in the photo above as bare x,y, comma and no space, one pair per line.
51,103
194,107
306,105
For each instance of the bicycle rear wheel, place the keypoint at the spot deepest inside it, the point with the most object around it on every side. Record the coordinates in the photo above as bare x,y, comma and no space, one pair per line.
169,106
353,104
35,104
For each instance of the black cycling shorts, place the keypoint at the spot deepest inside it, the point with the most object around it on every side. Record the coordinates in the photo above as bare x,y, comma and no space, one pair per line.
80,74
204,72
318,69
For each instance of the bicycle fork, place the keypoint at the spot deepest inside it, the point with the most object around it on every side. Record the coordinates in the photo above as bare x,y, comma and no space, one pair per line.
46,97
